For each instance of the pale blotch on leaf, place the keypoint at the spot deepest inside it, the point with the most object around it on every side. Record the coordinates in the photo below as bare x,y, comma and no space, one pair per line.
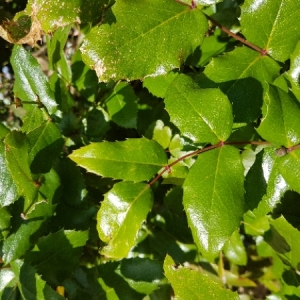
100,68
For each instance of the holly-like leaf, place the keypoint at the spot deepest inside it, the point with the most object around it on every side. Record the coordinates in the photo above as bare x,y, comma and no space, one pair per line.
272,25
8,188
243,81
191,284
31,84
203,115
121,215
62,246
45,145
289,168
16,155
214,198
281,116
121,50
122,105
264,185
133,159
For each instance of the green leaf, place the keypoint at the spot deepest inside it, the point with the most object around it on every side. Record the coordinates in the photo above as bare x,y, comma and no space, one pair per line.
56,54
289,168
30,284
191,284
121,105
62,246
8,188
214,198
20,241
285,240
272,25
160,133
45,146
53,14
3,131
203,115
255,225
124,209
16,154
264,185
4,222
7,277
235,251
134,159
243,81
33,119
119,51
294,71
281,116
31,84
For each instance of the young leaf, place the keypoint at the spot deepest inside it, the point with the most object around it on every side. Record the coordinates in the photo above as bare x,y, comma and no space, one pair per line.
31,84
16,155
8,188
214,198
281,114
134,159
272,25
120,50
203,115
191,284
122,105
121,215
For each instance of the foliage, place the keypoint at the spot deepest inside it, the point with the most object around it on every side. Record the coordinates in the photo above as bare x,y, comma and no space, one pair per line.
157,154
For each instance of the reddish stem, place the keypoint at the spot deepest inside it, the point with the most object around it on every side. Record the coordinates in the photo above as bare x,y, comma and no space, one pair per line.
191,154
237,37
293,148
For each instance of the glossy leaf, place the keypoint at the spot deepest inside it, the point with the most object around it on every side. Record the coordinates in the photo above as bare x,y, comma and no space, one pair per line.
289,168
61,246
294,71
16,154
31,84
8,188
191,284
33,119
235,251
121,105
45,146
272,25
284,239
134,159
114,51
124,209
281,114
53,14
202,115
214,198
5,217
240,74
264,185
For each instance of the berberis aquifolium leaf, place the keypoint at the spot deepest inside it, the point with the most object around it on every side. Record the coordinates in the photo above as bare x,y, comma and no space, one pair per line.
130,49
133,159
121,215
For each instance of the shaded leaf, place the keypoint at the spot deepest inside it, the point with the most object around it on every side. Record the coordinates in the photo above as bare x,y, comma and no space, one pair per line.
121,105
31,84
191,284
133,159
203,115
117,51
272,25
214,198
124,209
